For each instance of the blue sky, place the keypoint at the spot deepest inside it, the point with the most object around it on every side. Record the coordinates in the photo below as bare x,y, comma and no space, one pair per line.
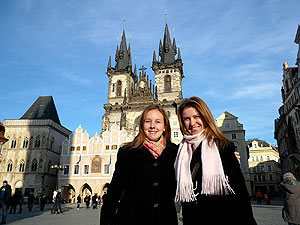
233,52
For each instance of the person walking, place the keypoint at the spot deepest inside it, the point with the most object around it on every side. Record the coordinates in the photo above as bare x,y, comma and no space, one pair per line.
210,184
259,196
87,200
21,202
5,194
78,202
143,185
43,201
291,208
31,199
94,201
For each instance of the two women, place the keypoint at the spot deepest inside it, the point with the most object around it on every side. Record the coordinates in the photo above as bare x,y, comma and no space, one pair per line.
209,185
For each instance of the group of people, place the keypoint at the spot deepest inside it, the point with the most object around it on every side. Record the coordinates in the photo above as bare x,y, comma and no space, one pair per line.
202,173
96,200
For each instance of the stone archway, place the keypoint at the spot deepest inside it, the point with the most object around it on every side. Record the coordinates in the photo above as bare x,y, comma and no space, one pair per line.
86,189
69,194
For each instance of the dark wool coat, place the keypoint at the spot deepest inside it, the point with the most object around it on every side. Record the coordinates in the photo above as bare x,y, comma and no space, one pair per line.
291,209
234,209
142,189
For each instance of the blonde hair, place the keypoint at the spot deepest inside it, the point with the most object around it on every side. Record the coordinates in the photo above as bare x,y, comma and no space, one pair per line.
210,128
141,137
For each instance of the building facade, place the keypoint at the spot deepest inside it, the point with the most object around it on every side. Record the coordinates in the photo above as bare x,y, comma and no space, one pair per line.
264,165
89,162
234,131
34,145
287,126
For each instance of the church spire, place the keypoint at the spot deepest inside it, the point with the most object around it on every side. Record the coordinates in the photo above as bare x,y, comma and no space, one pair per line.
167,52
123,56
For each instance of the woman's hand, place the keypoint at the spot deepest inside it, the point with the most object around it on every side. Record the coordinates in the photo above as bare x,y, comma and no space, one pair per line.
237,155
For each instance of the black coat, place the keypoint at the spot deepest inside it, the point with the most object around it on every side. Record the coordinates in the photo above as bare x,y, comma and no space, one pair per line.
7,195
234,209
142,189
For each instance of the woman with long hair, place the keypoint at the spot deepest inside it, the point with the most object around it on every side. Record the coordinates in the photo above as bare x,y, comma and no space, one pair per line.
143,185
210,184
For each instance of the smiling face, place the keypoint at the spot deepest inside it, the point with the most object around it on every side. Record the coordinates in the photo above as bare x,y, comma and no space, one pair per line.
154,125
192,120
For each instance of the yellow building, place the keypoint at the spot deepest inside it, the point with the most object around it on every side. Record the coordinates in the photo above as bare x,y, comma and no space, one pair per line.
264,165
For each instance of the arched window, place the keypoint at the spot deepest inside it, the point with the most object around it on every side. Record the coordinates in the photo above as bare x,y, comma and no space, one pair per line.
52,143
13,143
96,165
37,143
25,143
34,165
119,88
22,166
168,83
9,166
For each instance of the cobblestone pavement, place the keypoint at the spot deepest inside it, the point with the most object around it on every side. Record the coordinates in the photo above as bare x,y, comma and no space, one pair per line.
264,215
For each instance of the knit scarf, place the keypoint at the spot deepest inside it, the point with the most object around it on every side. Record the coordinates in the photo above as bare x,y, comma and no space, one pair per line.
214,181
156,147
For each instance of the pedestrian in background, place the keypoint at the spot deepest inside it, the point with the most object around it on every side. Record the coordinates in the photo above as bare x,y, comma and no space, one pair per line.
31,199
21,202
5,194
259,196
210,184
87,200
94,201
143,185
43,201
291,208
78,202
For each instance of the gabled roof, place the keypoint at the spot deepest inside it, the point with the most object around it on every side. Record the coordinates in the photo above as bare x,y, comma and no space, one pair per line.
42,108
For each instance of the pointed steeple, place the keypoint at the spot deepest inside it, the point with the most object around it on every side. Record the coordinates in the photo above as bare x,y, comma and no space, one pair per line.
167,53
154,57
129,56
297,37
174,46
123,55
109,63
179,55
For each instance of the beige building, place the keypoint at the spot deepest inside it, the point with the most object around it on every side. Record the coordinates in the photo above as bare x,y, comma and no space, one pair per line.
265,172
89,161
34,145
235,132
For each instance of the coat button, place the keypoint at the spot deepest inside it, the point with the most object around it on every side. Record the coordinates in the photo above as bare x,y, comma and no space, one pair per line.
155,184
155,205
155,164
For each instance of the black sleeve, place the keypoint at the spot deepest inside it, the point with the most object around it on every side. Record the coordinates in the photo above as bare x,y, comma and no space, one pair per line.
115,190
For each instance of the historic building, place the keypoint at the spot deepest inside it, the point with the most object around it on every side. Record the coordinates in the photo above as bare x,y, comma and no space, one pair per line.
2,138
129,93
287,126
235,132
89,162
34,145
264,164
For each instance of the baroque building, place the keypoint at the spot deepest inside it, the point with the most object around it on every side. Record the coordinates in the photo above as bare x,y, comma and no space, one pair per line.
287,126
264,164
234,131
33,146
129,93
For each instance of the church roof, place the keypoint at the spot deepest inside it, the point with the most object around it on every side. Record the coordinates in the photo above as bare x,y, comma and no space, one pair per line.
42,108
167,50
297,38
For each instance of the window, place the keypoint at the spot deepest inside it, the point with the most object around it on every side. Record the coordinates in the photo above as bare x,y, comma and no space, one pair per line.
269,168
84,148
13,143
76,169
271,177
22,166
34,165
255,145
255,178
86,169
174,122
262,168
263,178
268,158
78,148
37,142
72,149
257,158
66,170
261,158
106,147
25,143
253,159
114,147
52,143
113,87
233,136
175,134
9,166
106,169
119,88
168,83
227,125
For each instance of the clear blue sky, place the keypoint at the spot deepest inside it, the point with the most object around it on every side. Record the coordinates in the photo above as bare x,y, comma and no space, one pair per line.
233,52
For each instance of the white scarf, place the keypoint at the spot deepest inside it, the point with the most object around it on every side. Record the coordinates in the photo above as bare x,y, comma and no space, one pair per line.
214,181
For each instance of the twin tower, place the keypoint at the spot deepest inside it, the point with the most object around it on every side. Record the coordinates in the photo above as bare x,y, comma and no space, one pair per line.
129,93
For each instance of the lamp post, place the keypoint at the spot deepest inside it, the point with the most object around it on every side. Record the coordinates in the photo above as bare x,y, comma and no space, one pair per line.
57,167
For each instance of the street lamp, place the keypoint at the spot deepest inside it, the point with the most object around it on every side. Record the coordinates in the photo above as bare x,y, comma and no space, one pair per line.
57,167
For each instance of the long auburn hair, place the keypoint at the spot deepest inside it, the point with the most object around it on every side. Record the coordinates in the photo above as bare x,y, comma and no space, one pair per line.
210,128
141,137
